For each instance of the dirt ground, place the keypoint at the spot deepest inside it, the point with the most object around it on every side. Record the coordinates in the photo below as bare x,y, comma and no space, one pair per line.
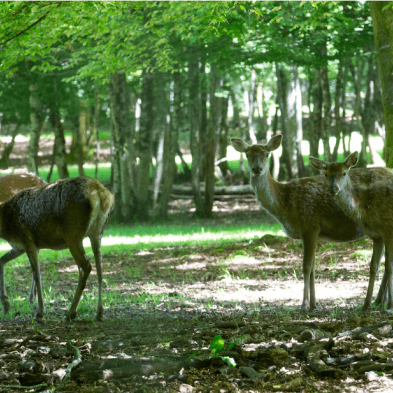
224,318
164,336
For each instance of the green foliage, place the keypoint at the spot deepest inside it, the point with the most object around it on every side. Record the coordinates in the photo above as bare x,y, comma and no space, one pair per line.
217,346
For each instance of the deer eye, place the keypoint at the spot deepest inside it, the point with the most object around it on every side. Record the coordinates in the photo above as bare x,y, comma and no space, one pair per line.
325,174
345,173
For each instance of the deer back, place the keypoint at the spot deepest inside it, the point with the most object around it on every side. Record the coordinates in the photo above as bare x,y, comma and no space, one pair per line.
43,215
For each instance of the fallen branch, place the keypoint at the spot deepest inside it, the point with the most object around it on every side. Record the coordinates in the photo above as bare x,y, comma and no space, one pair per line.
77,359
35,387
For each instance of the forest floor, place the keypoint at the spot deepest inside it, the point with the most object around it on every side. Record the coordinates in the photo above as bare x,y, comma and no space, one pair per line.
208,319
224,318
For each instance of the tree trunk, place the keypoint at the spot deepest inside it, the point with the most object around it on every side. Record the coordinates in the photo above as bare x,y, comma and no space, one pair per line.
357,74
223,143
327,105
368,112
146,134
95,126
382,19
251,95
125,205
193,79
316,116
170,144
203,122
337,109
291,111
37,119
8,149
163,131
57,126
213,127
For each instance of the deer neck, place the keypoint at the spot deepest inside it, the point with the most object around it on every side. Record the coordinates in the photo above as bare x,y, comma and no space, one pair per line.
349,201
265,189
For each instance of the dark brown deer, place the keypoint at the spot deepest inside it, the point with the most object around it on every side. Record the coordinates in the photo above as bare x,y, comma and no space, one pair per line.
58,216
305,209
10,185
368,203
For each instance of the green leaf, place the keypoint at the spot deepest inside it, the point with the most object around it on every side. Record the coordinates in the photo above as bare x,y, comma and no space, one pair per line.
217,344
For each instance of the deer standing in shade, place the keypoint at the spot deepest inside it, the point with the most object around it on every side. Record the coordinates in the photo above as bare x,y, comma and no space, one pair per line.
10,185
305,209
58,216
368,204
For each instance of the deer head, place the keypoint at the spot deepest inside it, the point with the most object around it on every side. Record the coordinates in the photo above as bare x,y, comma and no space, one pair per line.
336,172
257,155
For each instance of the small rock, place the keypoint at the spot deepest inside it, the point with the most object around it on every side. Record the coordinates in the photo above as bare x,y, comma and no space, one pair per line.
184,388
279,355
251,373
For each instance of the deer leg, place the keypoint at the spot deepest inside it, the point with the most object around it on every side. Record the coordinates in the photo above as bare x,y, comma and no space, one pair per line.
96,246
374,265
12,254
309,247
84,266
313,301
389,269
382,293
32,253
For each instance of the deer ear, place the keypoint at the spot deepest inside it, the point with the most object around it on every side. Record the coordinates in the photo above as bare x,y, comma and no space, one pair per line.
351,160
318,164
274,143
239,145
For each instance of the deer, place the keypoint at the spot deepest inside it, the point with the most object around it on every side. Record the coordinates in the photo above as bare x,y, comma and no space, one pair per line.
368,203
306,210
10,185
58,216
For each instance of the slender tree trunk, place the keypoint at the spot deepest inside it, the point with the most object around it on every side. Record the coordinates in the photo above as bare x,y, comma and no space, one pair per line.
36,123
368,112
8,149
195,135
171,145
163,128
203,120
345,128
250,117
146,133
337,109
327,105
95,126
223,143
60,145
357,74
125,201
213,128
301,170
316,117
291,121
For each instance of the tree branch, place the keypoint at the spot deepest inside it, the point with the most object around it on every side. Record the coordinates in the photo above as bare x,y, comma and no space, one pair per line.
27,28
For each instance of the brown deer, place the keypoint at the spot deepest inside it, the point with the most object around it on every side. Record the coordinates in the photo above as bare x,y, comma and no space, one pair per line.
305,209
10,185
367,203
58,216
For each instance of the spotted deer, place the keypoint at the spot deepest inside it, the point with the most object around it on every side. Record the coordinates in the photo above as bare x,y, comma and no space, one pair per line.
369,204
58,216
10,185
306,210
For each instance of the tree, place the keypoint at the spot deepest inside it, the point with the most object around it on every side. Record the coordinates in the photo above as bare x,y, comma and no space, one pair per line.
382,17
